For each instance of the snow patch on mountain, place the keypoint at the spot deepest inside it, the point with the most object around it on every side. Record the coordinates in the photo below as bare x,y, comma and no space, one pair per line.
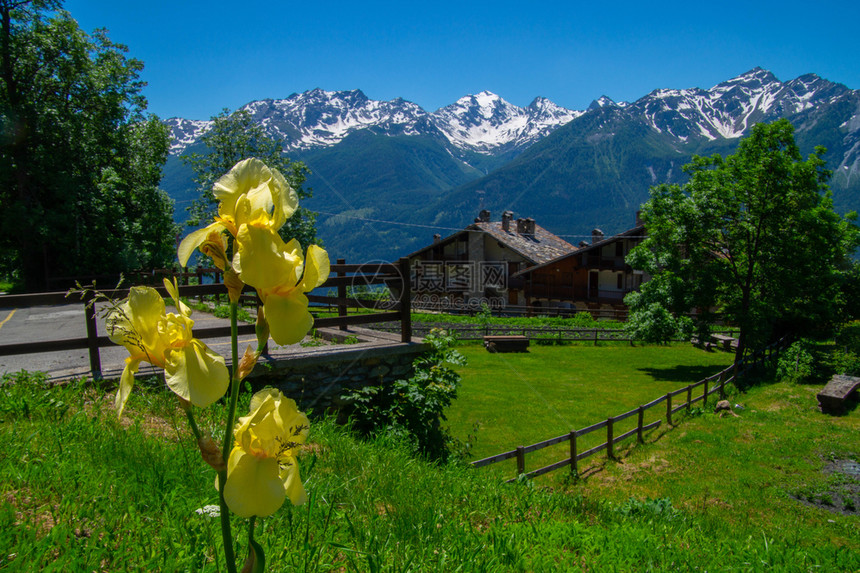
485,122
184,132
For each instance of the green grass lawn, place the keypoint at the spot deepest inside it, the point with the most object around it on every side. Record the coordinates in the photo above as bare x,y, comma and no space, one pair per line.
81,491
518,399
768,470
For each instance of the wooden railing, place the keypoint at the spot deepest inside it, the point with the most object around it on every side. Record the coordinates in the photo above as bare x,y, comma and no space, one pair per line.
342,276
538,334
709,386
435,304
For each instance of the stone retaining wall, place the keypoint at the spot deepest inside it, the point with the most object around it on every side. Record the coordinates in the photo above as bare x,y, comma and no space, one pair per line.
317,378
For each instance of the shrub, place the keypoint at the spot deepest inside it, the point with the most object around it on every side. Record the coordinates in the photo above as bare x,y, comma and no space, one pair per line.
796,364
653,323
27,395
583,320
849,337
414,408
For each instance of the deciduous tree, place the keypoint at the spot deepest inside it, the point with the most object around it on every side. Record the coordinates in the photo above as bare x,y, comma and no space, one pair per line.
232,138
80,163
752,236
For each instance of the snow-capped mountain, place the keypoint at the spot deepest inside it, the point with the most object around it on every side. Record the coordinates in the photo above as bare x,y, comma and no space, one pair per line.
487,124
484,123
597,169
729,109
575,170
605,101
316,118
320,118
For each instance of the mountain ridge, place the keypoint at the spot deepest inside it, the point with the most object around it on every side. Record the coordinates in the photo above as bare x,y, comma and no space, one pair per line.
483,123
570,170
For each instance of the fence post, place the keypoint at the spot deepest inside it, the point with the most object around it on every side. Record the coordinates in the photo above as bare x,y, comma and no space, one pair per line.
641,423
733,376
610,454
705,396
669,409
521,460
595,337
341,293
216,278
689,397
574,463
92,335
405,301
265,349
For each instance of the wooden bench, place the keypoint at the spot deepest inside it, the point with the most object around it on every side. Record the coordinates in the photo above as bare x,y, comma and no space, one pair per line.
832,399
512,343
727,342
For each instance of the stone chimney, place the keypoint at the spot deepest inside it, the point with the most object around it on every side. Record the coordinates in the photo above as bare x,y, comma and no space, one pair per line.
437,238
507,217
583,244
530,227
526,227
638,218
521,226
483,216
596,236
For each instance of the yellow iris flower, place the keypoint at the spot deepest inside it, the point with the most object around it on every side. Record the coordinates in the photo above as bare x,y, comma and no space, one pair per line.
250,191
262,470
255,202
150,334
282,277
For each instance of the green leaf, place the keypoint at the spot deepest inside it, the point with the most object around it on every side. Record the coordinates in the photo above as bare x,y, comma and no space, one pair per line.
256,562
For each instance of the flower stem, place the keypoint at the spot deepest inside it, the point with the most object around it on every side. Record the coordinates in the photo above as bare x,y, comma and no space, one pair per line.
226,534
234,382
191,422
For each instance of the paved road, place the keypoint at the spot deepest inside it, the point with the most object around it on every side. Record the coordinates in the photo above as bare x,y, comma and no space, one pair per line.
58,322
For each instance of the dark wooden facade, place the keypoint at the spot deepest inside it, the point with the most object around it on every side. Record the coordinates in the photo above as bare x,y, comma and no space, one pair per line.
594,275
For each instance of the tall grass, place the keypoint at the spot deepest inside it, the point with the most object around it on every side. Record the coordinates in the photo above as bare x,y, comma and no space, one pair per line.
80,491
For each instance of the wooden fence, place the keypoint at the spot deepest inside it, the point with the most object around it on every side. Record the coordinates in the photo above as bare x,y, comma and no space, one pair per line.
704,389
545,334
619,312
342,276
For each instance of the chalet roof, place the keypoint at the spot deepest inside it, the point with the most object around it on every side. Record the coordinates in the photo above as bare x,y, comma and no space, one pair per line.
638,231
536,248
539,247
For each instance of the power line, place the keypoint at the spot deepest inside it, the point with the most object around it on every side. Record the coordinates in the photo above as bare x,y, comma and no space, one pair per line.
443,228
365,219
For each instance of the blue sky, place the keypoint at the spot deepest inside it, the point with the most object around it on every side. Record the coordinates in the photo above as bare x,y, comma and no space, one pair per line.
201,57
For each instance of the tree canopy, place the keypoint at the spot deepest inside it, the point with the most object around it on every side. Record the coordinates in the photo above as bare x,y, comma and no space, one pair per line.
80,163
232,138
752,237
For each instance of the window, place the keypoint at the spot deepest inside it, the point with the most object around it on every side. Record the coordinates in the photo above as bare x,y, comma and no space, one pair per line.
619,248
620,281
